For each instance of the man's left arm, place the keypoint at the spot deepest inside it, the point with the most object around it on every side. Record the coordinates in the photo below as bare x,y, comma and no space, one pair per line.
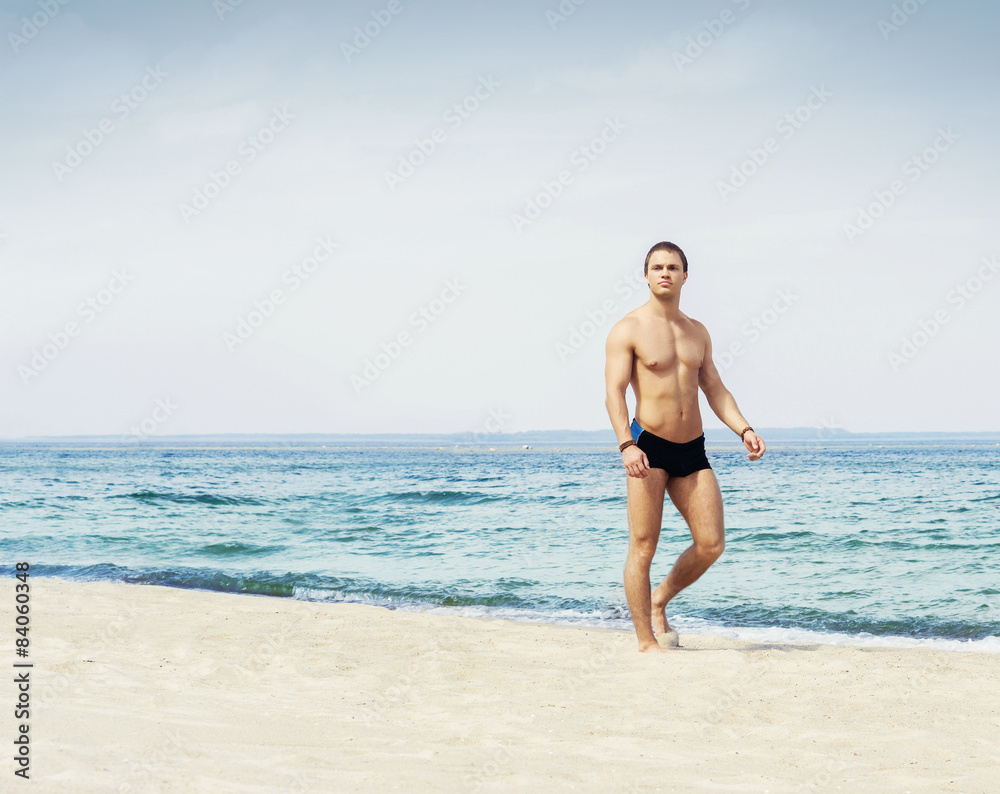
722,402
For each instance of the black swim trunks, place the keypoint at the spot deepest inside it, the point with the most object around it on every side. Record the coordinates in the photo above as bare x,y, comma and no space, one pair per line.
678,460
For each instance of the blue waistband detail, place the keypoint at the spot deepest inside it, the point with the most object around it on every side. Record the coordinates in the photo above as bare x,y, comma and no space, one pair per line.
636,430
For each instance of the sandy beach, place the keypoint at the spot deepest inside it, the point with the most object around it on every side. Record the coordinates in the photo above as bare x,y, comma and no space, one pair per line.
146,688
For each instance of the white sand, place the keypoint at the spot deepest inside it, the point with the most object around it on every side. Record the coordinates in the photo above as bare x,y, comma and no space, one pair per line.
150,689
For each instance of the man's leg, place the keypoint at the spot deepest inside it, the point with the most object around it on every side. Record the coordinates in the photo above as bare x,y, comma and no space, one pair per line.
698,499
645,513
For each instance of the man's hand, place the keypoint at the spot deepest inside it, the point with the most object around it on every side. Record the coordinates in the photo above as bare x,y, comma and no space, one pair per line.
635,461
755,444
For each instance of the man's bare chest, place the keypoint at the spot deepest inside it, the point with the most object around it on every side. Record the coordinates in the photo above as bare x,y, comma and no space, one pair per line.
665,353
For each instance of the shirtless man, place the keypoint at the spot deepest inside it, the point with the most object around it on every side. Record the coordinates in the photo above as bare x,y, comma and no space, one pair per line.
666,356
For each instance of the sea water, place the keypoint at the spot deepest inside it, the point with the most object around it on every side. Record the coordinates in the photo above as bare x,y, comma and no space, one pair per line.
840,542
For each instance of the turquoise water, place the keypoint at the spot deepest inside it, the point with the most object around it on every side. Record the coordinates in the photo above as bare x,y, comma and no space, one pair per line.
841,542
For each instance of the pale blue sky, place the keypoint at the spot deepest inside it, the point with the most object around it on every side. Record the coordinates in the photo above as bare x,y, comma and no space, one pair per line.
504,297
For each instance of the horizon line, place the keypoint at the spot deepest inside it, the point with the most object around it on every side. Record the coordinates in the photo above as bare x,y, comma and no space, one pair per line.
819,433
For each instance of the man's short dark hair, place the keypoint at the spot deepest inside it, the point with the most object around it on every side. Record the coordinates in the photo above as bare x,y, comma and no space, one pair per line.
665,246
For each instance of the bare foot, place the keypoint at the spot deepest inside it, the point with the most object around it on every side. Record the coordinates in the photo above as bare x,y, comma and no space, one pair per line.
658,613
668,639
654,648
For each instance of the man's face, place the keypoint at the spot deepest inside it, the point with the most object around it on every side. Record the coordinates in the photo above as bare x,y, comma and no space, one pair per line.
665,273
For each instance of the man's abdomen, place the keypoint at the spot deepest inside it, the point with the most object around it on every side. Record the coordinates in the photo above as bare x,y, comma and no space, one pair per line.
670,414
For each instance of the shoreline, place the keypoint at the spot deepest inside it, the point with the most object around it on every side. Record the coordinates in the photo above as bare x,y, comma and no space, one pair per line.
161,688
687,626
696,627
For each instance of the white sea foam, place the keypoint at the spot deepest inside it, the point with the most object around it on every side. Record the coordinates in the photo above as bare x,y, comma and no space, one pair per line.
863,639
697,626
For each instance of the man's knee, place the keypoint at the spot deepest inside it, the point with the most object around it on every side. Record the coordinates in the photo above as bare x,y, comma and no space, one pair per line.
641,552
711,549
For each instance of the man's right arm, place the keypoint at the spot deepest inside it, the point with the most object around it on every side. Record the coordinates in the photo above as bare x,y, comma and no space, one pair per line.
617,374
